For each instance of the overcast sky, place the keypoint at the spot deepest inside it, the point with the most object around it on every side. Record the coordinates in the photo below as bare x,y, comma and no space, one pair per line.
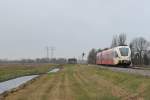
72,26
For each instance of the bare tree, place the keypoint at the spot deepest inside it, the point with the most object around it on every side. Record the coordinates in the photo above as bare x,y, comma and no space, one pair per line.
139,47
114,41
146,59
119,40
122,39
92,57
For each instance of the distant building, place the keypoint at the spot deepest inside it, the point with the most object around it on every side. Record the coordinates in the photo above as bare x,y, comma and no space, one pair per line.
72,61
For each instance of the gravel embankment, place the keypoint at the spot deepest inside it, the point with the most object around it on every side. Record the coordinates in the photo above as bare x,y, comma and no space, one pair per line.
128,70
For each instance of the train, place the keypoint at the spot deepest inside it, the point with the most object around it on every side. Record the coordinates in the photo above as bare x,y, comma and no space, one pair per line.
120,55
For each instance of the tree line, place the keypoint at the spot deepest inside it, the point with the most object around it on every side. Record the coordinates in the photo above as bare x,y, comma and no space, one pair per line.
32,61
140,49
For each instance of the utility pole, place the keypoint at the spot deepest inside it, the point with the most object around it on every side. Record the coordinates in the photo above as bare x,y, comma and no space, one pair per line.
47,52
52,49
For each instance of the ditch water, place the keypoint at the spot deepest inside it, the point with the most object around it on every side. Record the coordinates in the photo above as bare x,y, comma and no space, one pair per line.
54,70
14,83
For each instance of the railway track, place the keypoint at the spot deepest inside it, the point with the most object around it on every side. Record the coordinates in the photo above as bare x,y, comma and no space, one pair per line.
132,70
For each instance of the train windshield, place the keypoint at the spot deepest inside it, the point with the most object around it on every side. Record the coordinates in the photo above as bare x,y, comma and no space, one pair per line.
124,51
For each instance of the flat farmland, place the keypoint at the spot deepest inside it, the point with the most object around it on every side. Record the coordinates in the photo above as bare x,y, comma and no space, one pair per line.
10,71
83,82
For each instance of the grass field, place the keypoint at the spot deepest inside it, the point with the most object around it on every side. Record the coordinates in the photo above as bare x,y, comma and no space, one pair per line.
82,82
9,71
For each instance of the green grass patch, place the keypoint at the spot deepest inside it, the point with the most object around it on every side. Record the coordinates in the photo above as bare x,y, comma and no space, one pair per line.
137,85
129,81
84,88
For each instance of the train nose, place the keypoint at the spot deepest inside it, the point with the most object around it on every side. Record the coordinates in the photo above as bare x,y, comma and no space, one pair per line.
124,62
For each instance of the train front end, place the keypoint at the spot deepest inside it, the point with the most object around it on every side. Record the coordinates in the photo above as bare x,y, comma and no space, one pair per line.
123,55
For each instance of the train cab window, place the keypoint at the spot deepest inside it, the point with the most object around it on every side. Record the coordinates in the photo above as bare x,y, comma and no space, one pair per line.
124,51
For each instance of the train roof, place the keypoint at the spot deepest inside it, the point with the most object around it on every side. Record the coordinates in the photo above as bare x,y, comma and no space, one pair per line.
108,50
121,46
